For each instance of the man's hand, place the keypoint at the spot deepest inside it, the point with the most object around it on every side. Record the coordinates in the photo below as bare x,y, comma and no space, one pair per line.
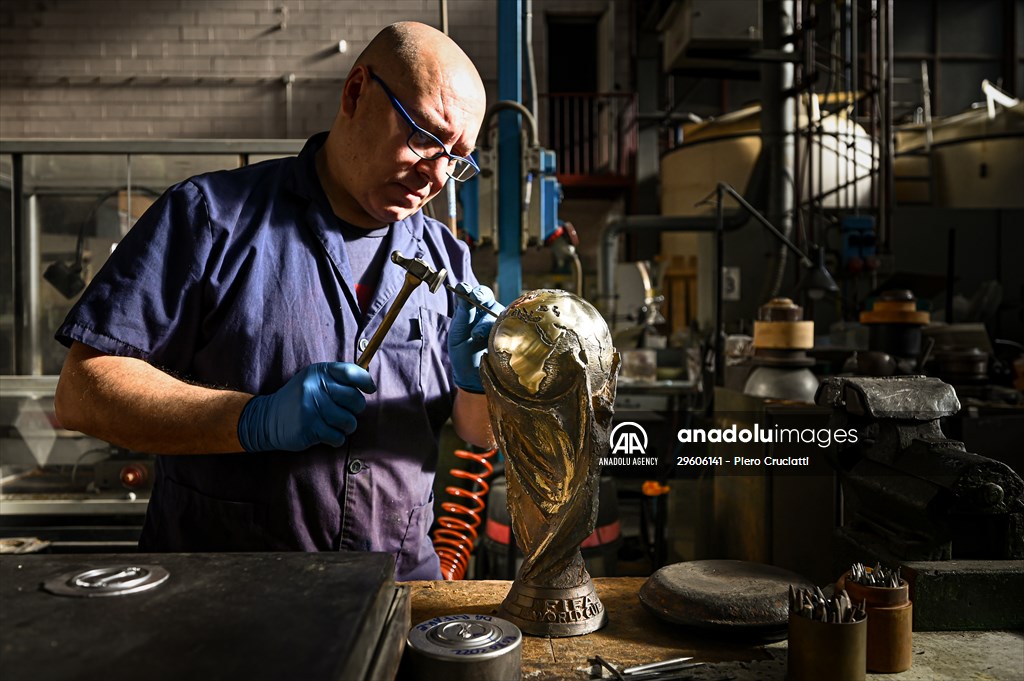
317,405
467,338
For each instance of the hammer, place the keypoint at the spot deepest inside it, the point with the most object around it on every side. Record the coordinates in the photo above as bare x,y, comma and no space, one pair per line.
417,272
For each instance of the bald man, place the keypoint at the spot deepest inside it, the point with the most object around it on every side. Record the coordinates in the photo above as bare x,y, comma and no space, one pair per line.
222,333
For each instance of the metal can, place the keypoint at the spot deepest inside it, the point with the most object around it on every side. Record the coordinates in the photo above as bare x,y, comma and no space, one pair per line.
464,648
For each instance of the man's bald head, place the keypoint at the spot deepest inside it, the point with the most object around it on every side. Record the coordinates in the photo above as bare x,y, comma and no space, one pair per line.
423,57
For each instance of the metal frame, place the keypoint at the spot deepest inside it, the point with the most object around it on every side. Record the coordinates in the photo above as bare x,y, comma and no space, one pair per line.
242,147
863,65
24,227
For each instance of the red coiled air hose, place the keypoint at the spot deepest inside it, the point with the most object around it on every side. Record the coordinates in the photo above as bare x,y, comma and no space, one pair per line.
454,540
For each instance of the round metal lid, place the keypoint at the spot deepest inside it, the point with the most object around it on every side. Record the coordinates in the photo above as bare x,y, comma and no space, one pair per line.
729,595
465,637
117,580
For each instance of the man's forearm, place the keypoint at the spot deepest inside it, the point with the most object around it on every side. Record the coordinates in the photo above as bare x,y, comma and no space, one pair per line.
132,404
472,420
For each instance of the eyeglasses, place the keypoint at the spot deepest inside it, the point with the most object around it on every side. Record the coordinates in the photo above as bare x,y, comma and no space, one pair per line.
428,147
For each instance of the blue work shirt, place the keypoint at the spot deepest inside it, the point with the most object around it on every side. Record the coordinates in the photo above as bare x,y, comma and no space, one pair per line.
238,279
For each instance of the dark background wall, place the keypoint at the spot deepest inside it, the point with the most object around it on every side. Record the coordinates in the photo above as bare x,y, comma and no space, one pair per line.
217,68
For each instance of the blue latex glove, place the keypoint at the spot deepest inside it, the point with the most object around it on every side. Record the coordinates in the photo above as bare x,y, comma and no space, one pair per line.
318,404
467,337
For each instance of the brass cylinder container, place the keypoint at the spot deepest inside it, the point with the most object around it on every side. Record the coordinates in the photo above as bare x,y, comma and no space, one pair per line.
824,650
890,624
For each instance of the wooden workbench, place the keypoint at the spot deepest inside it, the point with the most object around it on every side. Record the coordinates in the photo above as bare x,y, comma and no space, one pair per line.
633,636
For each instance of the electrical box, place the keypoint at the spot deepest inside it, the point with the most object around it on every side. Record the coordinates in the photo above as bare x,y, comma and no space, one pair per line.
702,29
547,194
859,244
541,192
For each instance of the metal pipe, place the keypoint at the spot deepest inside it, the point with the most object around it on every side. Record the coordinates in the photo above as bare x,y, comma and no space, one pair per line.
812,148
18,281
450,184
577,268
950,272
854,57
33,353
888,186
510,175
619,224
515,106
798,86
778,137
719,331
531,68
804,258
873,106
289,81
453,213
848,87
926,96
128,217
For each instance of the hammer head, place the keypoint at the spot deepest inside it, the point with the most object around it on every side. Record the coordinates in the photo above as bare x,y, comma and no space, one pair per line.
419,269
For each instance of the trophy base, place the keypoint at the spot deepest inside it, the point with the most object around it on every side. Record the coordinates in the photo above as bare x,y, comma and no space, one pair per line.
544,611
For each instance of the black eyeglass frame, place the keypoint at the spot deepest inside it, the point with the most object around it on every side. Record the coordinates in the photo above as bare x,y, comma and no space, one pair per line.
460,168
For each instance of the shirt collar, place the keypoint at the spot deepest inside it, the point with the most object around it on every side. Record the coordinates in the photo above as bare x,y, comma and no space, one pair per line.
303,180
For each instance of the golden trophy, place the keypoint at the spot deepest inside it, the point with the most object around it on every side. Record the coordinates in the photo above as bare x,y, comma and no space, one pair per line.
549,374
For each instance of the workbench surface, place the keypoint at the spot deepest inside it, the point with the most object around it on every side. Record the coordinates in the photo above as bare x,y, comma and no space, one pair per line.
633,636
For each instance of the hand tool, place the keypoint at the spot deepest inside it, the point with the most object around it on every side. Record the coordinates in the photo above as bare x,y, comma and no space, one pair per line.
680,673
417,272
876,576
469,299
813,604
604,663
656,665
668,670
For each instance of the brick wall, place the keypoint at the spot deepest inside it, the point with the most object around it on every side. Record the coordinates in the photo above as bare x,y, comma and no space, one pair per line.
138,69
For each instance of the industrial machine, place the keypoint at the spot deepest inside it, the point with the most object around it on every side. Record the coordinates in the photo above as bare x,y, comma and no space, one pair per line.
912,493
781,365
538,186
75,493
914,497
895,326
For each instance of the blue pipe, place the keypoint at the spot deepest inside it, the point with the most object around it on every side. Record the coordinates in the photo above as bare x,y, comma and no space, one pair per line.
510,87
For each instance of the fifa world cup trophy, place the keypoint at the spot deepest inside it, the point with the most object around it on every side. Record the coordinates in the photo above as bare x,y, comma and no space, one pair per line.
550,373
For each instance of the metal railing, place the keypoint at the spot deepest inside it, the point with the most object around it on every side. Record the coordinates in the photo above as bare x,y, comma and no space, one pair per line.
594,136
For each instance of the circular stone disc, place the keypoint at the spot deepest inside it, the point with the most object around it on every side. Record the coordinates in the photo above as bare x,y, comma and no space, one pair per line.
734,596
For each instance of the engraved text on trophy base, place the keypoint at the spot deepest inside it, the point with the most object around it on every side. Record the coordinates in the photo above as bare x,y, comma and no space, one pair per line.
555,612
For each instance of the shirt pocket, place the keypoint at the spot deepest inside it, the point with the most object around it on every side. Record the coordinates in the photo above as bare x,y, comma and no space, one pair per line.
417,558
195,522
435,370
396,366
